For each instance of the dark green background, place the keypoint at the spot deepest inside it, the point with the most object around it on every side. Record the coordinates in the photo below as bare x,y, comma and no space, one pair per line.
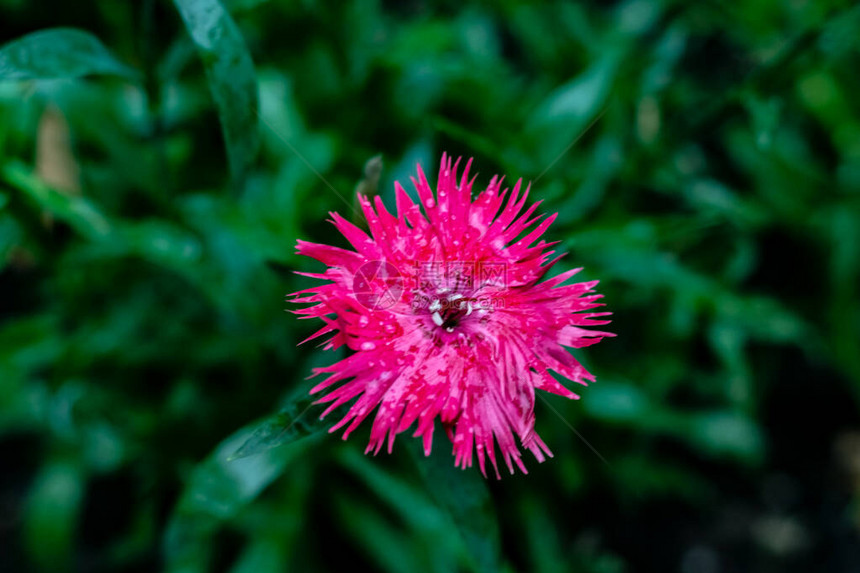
704,158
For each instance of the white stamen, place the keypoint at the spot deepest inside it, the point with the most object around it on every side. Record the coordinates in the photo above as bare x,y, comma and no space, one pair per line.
435,305
437,319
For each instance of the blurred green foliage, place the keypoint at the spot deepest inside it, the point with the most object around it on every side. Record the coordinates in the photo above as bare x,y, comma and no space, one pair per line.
158,161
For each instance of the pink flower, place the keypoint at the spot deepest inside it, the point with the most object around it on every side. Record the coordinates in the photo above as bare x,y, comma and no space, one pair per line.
447,317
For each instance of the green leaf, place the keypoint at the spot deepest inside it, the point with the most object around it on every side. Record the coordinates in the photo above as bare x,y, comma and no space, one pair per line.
82,215
52,515
464,494
293,422
542,537
231,75
728,434
218,489
263,554
712,197
30,342
235,6
392,549
10,236
220,486
565,113
160,242
155,240
640,476
761,318
441,547
409,500
617,402
58,53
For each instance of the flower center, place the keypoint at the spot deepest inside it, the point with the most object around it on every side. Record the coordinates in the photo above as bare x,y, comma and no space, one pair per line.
448,312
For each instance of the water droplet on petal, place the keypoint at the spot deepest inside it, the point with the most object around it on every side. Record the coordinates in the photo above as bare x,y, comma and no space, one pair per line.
368,345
